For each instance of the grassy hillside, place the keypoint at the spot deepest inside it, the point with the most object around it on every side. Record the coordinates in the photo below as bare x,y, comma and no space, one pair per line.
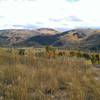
48,74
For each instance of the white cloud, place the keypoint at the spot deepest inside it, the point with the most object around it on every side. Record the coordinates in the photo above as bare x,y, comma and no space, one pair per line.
51,13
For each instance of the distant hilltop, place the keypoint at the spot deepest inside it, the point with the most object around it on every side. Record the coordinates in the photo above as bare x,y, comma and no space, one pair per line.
75,39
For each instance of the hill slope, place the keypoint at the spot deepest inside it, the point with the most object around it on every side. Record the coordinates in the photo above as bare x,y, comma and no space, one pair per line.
80,38
19,36
74,39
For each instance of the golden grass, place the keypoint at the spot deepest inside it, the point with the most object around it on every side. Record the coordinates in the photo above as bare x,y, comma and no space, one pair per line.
38,78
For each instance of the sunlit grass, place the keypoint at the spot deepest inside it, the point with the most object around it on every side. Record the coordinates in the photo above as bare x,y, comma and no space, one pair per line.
28,77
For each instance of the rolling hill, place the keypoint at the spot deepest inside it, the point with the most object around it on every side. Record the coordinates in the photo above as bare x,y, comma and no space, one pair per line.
12,37
74,39
80,38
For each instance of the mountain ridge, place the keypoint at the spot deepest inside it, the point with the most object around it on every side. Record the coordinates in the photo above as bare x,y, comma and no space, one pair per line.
76,38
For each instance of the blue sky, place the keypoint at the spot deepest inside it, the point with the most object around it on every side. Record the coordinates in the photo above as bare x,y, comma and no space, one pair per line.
62,14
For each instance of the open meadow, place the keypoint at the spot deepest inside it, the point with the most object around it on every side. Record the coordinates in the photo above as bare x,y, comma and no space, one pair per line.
49,74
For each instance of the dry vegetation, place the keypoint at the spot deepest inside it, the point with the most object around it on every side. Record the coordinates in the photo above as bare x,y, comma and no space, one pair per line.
47,75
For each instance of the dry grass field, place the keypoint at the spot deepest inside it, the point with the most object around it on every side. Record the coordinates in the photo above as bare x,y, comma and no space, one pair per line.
35,74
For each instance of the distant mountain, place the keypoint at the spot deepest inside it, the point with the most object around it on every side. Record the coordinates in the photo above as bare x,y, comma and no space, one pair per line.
12,37
47,31
80,39
47,36
83,39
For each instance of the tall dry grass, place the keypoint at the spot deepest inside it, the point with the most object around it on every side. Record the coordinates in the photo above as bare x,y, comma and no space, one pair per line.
28,77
